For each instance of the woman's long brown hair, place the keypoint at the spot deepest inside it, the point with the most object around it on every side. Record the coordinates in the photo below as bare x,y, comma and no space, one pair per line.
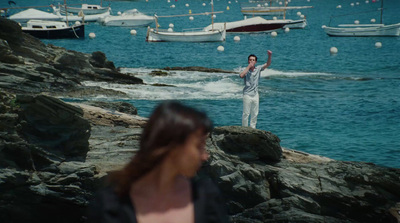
171,123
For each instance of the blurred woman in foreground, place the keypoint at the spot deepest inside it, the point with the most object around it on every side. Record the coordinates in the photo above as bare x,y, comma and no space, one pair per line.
158,184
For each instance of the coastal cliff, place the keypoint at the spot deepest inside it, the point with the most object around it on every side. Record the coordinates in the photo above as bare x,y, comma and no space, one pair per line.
27,65
54,155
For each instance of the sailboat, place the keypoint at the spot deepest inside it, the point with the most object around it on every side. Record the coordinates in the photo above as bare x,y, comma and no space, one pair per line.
191,35
364,30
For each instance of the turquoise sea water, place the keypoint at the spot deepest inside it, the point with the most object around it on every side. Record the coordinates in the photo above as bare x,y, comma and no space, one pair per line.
344,106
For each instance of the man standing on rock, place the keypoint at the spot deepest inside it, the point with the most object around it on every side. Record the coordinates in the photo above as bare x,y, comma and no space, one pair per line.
251,75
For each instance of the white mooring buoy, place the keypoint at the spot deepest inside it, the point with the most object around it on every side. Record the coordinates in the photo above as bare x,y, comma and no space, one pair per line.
92,35
220,48
236,38
333,50
378,44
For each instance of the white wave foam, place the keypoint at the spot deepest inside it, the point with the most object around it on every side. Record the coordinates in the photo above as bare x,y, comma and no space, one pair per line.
272,72
188,84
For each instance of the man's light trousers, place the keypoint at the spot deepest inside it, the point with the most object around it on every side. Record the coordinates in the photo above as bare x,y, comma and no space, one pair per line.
250,107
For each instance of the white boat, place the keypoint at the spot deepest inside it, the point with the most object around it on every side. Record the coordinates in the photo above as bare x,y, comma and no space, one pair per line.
361,30
269,11
79,16
189,35
33,14
85,9
43,29
364,30
185,36
256,25
129,18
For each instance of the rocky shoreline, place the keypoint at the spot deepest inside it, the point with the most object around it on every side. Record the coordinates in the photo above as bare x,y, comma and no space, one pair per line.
54,155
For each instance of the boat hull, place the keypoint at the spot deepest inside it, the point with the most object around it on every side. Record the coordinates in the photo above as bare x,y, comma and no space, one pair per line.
86,18
73,32
269,11
195,36
256,28
277,12
257,25
388,30
126,21
85,11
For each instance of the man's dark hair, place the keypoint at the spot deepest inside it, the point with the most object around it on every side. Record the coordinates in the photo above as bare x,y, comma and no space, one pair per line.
252,55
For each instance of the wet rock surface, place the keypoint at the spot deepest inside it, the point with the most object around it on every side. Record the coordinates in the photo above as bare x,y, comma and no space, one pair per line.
29,66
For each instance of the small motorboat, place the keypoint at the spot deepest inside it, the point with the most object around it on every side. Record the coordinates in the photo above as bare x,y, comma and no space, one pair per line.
156,35
85,9
129,18
269,11
252,25
187,35
257,25
54,29
79,16
363,30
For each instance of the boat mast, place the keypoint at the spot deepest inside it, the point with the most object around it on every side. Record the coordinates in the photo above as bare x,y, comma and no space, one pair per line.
381,10
66,12
156,18
212,15
284,11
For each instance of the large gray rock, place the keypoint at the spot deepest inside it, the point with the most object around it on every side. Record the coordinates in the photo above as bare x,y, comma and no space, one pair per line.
300,187
248,143
29,66
54,126
43,143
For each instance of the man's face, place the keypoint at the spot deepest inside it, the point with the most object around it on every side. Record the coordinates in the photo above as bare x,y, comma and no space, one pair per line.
252,60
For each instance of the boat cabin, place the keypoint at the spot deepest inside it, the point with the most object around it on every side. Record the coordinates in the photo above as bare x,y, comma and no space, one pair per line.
40,24
86,6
